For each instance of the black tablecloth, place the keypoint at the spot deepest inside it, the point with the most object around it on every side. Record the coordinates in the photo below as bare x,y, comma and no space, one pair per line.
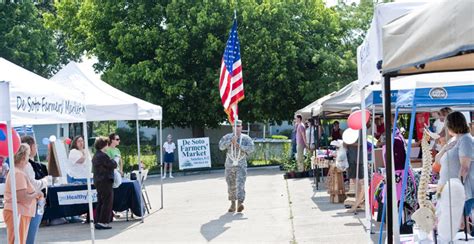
126,196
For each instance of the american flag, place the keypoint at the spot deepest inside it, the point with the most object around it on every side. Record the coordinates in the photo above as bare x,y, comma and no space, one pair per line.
231,85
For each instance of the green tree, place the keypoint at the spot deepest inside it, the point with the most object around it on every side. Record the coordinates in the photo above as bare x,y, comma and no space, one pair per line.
169,53
25,41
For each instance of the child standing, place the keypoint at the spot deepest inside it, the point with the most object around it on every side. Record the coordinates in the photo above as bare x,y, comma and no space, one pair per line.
168,149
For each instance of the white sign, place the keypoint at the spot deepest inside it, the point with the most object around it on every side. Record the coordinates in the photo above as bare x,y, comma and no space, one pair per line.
4,102
75,197
194,153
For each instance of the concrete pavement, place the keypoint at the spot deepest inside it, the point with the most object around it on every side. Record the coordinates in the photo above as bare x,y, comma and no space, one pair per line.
195,211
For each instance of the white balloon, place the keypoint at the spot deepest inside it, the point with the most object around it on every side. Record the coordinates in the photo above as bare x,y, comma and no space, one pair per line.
350,136
52,138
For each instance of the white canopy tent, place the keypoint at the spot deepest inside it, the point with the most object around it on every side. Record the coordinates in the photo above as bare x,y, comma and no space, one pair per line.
369,53
36,100
440,35
314,108
27,98
341,103
105,102
369,60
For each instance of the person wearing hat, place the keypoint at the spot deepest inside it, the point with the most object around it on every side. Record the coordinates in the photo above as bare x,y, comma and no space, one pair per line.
238,147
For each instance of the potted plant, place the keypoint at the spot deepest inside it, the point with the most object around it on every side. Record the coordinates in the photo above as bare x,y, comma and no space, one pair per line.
290,167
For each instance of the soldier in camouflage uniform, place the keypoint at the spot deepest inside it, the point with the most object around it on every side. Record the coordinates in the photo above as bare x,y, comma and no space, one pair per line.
236,172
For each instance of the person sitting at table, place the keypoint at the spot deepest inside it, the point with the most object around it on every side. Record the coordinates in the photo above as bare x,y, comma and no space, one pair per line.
79,164
103,168
37,174
26,197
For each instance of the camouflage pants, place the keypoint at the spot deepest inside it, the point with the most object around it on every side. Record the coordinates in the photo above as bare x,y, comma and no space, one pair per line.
235,177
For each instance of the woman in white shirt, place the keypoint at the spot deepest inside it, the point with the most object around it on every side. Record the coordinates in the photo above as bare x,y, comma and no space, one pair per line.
79,164
168,149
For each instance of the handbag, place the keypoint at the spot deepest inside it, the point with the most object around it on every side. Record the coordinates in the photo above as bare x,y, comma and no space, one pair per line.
117,179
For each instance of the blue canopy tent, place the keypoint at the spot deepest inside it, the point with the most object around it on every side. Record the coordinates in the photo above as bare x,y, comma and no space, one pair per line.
424,92
451,94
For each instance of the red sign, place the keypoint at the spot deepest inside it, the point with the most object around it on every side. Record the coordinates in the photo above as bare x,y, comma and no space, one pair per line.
422,120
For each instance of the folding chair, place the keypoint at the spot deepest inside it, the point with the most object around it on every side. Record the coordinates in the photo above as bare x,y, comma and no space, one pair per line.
144,192
145,198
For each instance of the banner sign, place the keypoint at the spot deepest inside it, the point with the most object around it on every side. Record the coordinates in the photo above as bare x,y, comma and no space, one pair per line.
33,104
75,197
194,153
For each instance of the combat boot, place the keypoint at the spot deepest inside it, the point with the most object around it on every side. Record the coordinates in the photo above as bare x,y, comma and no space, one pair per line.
232,206
240,206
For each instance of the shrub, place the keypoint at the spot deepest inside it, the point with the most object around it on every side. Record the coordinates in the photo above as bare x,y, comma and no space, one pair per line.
280,137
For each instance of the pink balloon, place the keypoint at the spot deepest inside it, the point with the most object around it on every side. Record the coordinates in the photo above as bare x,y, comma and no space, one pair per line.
3,143
68,141
355,119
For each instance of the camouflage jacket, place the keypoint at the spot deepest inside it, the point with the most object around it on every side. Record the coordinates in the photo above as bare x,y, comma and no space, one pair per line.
246,147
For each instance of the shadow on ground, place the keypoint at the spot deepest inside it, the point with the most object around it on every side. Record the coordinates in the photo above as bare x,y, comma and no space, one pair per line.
216,227
212,174
118,227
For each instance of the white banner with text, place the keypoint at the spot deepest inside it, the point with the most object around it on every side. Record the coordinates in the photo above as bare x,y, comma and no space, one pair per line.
75,197
194,153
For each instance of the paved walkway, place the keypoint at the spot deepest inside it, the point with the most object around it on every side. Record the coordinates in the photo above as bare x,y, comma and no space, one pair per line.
277,211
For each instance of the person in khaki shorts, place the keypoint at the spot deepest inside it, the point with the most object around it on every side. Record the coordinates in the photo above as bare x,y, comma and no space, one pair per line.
301,142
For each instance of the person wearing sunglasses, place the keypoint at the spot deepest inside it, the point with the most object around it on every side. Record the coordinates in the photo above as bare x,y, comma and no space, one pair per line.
113,152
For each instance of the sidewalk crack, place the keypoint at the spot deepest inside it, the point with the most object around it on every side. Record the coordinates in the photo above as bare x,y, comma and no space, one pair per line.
293,240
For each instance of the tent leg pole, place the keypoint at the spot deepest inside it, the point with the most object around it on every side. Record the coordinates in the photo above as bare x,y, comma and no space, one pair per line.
388,156
16,225
89,187
161,162
140,171
368,216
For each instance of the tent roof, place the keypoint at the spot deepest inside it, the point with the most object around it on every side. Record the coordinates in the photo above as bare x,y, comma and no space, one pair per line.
369,52
453,88
341,103
103,101
314,108
36,100
432,38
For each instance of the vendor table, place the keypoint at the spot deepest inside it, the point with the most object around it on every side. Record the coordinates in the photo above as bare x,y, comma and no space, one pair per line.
71,200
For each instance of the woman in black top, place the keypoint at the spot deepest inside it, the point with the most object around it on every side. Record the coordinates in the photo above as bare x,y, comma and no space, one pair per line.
103,168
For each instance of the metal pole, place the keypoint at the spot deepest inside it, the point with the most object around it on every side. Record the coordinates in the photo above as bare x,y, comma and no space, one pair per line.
140,171
357,174
89,187
161,161
394,203
16,224
388,156
368,216
407,164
